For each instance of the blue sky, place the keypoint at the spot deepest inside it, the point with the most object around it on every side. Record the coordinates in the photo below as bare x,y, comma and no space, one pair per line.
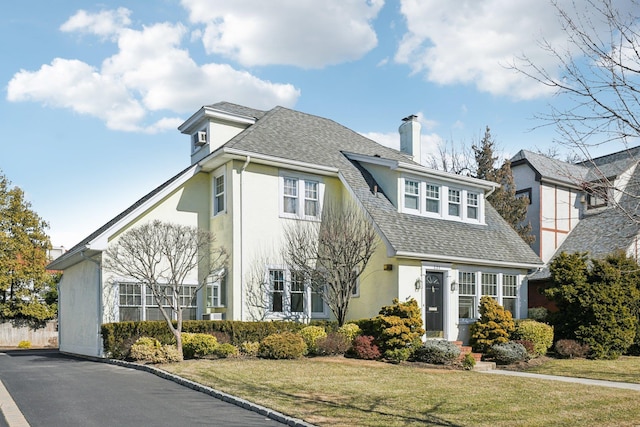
93,92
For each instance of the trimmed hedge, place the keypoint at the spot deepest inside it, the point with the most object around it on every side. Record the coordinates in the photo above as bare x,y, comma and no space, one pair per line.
118,337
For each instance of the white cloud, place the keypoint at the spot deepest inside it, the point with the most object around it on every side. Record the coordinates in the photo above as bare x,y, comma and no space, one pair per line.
105,23
150,74
302,33
472,42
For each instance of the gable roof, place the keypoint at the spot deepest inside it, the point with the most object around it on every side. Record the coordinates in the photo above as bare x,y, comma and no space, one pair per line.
551,169
293,136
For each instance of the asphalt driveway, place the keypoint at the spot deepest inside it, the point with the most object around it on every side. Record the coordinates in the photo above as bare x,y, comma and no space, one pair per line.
52,389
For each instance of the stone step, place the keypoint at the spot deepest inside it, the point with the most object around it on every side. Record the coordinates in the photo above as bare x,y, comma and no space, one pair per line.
484,366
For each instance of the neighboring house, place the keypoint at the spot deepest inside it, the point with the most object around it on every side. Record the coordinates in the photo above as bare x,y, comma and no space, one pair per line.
254,172
583,207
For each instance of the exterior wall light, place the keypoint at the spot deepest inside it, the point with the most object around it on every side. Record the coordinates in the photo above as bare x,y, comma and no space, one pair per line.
454,286
418,284
387,267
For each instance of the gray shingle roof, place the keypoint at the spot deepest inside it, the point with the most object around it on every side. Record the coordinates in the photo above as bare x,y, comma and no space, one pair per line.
302,137
549,168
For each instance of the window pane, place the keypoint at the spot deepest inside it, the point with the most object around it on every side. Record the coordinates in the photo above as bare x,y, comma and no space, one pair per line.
510,304
433,198
509,285
467,283
472,205
466,307
472,212
411,192
291,195
276,280
454,202
130,314
317,305
490,284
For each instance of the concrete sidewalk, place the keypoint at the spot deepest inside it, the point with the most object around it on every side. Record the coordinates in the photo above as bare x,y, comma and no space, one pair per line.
585,381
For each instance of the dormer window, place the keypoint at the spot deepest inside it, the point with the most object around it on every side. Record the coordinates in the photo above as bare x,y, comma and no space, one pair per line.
438,200
597,196
454,202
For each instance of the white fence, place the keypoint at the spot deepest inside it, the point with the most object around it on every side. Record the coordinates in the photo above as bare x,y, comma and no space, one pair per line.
11,335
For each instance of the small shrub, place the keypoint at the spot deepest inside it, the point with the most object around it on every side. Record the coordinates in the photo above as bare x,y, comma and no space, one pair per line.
310,335
226,350
334,343
494,327
570,349
468,362
286,345
437,352
399,325
24,344
250,348
540,334
150,350
198,345
509,352
397,355
528,345
363,347
350,331
539,314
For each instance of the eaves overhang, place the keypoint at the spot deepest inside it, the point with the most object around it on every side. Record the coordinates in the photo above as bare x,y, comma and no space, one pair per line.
209,113
461,260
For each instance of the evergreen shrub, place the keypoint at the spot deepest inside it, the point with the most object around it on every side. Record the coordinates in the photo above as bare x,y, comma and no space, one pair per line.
538,314
540,334
509,352
350,331
397,355
250,348
24,344
150,350
399,326
195,346
310,335
494,327
285,345
226,350
437,352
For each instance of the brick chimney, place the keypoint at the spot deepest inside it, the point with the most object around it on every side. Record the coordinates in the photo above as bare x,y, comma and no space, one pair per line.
410,137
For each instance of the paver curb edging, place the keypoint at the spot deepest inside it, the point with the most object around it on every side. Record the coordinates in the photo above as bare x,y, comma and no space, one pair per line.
269,413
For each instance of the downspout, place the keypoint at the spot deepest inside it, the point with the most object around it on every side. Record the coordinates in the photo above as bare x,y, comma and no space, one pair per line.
242,290
99,305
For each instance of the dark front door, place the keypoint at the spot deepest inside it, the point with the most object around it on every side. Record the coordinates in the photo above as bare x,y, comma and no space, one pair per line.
433,307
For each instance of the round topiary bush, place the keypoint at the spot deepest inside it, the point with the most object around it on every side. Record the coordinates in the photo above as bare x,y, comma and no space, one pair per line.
437,352
540,334
310,335
198,345
285,345
509,352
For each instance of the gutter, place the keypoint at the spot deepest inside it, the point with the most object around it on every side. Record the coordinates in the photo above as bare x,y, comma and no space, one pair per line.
460,260
244,166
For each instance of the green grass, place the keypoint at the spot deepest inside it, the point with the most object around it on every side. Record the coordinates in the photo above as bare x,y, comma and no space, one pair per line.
347,392
625,369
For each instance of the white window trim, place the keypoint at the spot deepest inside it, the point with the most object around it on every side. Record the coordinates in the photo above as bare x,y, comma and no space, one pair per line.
499,297
286,312
301,179
220,172
443,211
144,293
196,147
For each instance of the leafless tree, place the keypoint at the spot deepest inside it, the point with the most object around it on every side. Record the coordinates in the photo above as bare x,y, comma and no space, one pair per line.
161,256
598,82
452,158
332,254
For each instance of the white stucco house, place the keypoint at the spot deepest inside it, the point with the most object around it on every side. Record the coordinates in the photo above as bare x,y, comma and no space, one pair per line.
579,207
253,172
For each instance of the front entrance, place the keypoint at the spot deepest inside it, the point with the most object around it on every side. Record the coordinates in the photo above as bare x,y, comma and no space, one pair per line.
433,307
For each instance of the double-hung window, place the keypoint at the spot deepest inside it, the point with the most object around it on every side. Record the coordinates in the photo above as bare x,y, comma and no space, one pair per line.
214,291
432,198
509,292
467,298
411,194
454,202
297,292
301,197
188,300
218,194
276,288
490,285
130,302
472,205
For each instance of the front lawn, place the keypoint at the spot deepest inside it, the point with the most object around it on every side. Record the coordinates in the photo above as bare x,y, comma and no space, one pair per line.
335,391
625,369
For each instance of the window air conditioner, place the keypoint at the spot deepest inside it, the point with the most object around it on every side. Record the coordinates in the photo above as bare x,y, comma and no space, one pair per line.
212,316
200,138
